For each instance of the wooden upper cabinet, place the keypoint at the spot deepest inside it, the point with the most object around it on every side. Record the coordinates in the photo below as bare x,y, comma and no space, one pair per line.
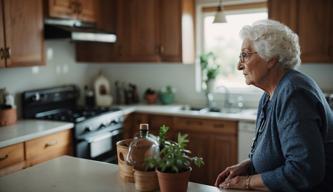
147,31
23,29
84,10
87,10
144,32
284,11
313,23
177,31
2,38
170,25
60,8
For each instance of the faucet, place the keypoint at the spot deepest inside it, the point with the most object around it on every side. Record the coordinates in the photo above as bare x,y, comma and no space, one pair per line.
227,103
210,100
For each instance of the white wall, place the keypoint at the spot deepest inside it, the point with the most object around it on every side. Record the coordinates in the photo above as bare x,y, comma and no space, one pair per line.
61,69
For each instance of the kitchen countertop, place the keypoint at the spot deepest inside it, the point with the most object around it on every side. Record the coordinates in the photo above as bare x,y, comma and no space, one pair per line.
74,174
176,110
25,130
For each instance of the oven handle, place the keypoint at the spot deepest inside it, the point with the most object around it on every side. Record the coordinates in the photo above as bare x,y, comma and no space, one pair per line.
105,135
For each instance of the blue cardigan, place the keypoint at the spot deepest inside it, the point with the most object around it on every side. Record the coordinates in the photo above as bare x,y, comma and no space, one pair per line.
293,150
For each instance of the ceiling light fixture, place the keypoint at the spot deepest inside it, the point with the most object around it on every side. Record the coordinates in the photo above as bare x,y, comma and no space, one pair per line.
219,16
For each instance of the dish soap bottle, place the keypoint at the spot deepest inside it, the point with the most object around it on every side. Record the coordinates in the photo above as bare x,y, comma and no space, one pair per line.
143,146
102,91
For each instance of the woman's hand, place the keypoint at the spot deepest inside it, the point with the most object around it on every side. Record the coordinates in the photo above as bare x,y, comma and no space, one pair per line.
233,171
238,182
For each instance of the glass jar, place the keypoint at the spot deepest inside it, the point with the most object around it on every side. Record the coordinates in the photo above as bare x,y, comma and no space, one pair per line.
143,146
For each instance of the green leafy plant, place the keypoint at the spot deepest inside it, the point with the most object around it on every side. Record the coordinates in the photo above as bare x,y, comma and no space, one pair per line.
209,69
173,157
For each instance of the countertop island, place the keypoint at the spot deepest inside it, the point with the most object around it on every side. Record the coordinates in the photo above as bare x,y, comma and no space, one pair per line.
76,175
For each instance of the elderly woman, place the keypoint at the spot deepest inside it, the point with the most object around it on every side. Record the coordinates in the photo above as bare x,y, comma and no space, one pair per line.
293,147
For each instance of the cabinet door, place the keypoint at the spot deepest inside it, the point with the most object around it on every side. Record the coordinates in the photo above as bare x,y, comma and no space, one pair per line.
170,24
284,11
62,8
315,20
156,121
87,10
223,154
2,37
24,32
198,145
144,30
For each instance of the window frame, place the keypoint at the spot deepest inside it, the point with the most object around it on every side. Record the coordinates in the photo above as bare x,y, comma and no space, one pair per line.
210,10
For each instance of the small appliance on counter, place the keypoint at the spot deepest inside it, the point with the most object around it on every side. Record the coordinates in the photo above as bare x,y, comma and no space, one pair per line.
7,108
102,91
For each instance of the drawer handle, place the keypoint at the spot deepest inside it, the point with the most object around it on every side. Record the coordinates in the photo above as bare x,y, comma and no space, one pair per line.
218,125
50,144
3,157
193,122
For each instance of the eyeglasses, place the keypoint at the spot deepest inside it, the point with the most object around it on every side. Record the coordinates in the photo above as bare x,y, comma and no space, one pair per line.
244,56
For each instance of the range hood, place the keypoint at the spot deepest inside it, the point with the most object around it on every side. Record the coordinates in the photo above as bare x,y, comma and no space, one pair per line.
76,31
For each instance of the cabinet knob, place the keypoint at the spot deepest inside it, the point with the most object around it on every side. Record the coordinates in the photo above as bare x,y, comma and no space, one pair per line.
7,52
3,157
2,53
161,49
50,144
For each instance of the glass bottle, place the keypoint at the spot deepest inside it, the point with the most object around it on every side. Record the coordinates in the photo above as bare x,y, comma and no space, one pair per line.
143,146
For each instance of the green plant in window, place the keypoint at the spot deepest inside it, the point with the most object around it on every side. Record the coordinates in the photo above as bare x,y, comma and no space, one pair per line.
209,69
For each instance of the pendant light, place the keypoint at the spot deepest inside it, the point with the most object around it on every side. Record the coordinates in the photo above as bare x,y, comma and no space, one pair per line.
219,16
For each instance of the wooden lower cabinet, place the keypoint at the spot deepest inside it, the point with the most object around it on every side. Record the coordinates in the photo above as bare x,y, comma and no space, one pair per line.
154,121
223,153
32,152
198,145
11,158
214,140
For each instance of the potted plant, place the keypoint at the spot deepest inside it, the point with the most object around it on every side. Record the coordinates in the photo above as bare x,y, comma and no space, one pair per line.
173,165
167,95
210,71
150,96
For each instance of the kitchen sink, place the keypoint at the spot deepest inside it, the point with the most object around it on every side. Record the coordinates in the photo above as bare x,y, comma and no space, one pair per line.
219,110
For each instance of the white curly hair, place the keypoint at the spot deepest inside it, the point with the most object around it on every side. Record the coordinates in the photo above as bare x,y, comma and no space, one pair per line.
273,39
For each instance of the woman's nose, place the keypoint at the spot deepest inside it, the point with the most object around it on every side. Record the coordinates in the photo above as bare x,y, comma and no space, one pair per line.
240,66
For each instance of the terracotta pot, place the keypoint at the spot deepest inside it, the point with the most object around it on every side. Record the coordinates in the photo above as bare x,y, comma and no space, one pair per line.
125,171
145,180
8,116
170,182
151,98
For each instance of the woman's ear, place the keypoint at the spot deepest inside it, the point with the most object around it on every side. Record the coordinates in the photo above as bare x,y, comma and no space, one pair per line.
272,62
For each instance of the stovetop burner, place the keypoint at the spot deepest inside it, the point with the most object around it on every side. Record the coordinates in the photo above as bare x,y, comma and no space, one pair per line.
75,115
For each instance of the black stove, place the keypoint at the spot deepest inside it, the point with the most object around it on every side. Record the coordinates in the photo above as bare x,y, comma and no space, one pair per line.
96,129
75,115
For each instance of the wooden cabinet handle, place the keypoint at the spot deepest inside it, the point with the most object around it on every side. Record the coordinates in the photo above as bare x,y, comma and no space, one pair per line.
7,52
161,49
2,53
189,122
79,8
50,144
3,157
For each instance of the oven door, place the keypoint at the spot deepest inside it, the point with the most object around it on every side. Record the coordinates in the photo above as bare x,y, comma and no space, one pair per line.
100,146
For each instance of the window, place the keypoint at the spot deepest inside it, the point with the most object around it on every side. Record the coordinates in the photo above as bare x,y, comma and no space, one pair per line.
224,41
